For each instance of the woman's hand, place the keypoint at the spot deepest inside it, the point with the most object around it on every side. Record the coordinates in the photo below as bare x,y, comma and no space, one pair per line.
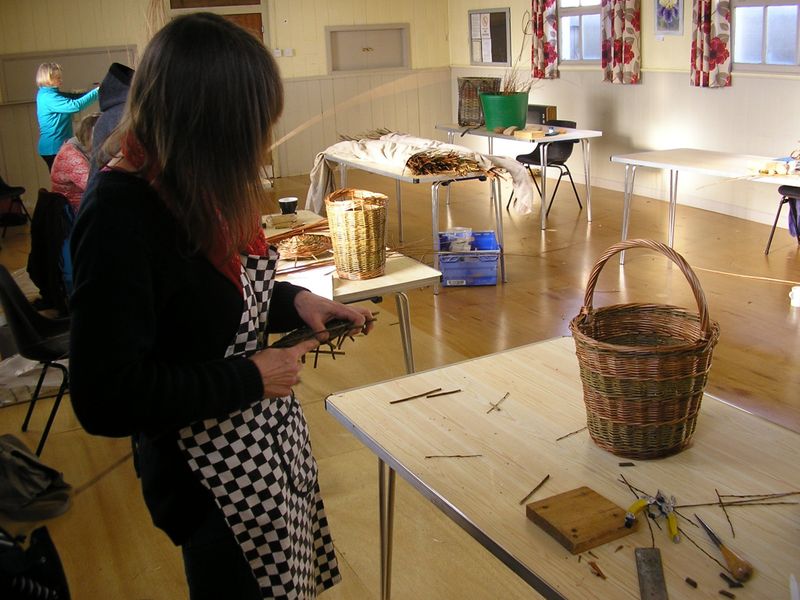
316,311
280,367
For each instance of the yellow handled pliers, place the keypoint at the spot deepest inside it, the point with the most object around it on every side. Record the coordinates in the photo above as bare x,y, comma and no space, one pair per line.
662,505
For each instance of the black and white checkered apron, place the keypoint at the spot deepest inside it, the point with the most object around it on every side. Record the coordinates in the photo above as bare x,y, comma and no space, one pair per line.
257,463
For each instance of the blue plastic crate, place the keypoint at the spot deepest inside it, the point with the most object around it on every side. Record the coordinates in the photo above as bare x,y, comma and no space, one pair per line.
476,267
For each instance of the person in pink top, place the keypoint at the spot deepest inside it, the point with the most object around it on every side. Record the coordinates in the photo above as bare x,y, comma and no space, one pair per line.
71,166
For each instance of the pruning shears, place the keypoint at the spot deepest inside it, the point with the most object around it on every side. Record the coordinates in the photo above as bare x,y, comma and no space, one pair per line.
656,506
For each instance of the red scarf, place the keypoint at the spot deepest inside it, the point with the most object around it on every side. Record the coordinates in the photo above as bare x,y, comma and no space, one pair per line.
225,259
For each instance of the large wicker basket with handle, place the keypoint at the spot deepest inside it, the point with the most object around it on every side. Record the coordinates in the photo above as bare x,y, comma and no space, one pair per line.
643,366
357,222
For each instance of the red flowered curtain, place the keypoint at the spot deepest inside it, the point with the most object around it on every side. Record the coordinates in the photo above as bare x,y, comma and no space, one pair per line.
711,38
621,41
544,49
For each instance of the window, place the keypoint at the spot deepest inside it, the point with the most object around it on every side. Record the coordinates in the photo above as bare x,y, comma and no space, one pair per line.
579,30
765,35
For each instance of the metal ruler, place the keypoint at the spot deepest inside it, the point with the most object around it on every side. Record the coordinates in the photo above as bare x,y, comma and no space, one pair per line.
651,574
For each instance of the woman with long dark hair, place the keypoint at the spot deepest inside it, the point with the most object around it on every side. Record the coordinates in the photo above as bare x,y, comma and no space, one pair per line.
174,294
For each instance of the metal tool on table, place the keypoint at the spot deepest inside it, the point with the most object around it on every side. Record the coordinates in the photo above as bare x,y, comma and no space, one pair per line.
656,506
651,574
739,567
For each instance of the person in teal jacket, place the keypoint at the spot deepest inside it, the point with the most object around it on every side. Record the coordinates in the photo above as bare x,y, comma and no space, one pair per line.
54,110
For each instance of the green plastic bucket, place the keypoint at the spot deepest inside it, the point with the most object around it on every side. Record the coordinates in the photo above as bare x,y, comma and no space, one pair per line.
505,110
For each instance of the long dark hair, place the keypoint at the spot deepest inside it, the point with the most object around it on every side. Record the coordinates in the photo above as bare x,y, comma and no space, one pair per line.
202,104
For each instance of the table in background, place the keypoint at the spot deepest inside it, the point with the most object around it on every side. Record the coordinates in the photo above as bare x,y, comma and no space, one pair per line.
402,274
435,182
519,444
704,162
584,135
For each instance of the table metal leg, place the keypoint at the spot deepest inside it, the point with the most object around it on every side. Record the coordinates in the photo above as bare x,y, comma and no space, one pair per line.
543,165
587,174
386,486
630,175
386,476
673,203
498,217
403,314
435,227
398,193
342,175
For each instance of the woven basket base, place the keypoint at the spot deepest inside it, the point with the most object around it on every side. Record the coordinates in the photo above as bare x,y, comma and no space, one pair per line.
630,441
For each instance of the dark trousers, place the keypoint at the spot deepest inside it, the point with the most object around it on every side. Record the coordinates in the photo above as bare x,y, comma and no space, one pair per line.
49,160
214,564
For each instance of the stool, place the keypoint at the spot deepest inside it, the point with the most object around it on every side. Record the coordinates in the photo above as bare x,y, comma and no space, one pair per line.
789,194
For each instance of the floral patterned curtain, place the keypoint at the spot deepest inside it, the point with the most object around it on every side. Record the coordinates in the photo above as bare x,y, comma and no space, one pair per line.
711,37
621,41
544,49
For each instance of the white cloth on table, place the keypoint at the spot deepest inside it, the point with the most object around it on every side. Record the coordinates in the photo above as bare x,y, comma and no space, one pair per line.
393,151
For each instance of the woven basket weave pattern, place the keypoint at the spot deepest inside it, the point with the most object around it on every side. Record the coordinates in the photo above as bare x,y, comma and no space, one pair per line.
643,367
357,222
470,111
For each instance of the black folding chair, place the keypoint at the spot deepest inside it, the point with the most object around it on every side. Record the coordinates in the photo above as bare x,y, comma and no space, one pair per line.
37,338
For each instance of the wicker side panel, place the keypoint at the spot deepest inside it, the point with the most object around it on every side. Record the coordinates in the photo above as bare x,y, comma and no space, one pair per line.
357,222
470,111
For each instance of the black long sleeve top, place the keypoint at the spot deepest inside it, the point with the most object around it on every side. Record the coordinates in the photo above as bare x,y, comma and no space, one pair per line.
151,322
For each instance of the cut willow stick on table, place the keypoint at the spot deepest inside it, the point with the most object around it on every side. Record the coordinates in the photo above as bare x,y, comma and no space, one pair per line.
317,226
536,489
496,405
436,395
415,396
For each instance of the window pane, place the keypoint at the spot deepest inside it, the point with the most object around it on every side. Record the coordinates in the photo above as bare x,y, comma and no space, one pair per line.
748,27
781,35
569,38
568,3
591,37
590,2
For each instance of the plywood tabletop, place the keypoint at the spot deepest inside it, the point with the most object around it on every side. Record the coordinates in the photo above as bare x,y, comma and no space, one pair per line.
477,465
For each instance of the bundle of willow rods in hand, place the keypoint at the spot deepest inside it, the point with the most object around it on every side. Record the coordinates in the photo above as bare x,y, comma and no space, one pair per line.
434,162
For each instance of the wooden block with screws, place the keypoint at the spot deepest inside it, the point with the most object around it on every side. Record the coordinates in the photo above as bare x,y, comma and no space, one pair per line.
580,519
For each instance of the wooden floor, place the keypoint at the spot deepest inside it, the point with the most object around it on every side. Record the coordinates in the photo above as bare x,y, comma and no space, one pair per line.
111,550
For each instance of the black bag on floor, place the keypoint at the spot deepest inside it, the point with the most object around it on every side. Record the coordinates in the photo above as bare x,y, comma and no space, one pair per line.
31,573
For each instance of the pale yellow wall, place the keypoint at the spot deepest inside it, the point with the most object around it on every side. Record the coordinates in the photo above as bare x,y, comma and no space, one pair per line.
300,25
40,25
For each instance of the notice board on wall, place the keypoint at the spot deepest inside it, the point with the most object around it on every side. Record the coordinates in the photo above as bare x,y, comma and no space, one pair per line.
84,68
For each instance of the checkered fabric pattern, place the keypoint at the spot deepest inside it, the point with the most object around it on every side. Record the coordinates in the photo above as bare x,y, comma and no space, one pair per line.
257,462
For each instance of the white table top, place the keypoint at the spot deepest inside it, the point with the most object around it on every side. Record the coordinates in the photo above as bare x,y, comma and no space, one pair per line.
402,274
399,172
707,162
518,445
568,135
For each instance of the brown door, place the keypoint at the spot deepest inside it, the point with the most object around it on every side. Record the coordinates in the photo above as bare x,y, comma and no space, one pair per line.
249,21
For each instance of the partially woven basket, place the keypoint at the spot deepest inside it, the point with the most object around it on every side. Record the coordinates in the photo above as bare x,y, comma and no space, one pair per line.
357,222
470,110
643,366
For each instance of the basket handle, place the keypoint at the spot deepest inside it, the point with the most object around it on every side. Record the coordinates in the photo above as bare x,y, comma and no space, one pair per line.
694,283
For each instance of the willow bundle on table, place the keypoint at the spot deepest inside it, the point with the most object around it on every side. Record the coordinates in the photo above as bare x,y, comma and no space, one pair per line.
304,246
436,162
374,134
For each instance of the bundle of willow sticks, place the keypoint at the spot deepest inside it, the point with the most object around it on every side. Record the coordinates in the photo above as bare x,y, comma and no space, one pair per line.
436,162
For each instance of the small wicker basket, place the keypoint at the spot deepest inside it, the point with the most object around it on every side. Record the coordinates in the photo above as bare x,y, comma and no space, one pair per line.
470,111
643,366
357,222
